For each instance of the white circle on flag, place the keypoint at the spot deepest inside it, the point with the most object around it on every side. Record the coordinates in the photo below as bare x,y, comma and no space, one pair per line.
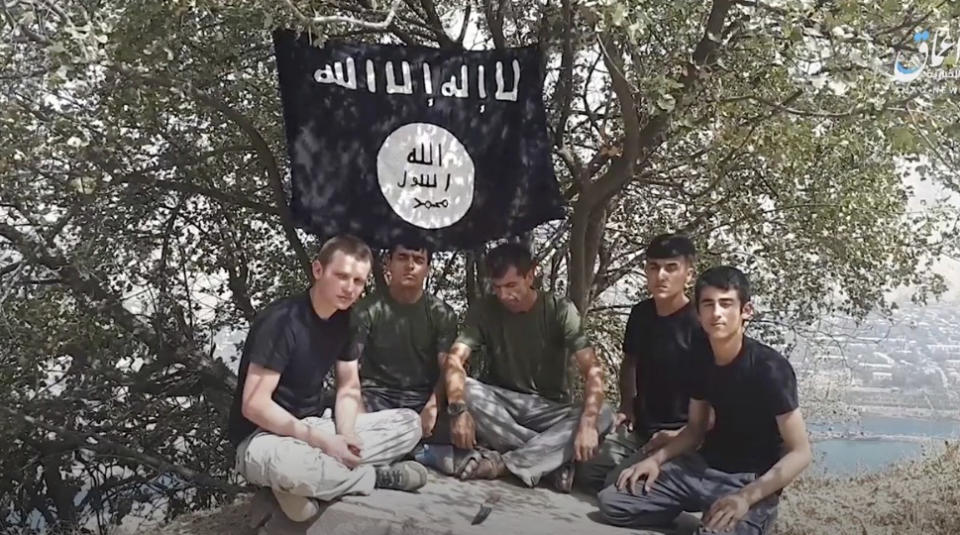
426,175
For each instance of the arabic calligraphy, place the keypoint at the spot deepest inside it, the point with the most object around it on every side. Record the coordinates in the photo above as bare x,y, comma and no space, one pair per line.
430,204
932,53
456,85
423,180
426,175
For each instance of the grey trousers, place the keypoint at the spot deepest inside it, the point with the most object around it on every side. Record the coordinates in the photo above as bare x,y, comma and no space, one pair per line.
535,434
291,465
380,398
618,447
685,484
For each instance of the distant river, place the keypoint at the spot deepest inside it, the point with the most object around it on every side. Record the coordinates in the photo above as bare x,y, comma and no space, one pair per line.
842,457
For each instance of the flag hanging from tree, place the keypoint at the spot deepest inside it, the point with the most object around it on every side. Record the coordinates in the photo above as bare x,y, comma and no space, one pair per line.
415,144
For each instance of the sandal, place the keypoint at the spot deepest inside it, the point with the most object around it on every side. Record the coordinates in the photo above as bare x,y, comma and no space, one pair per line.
487,464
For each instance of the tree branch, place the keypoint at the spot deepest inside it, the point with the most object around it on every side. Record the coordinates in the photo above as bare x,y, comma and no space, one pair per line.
436,25
494,19
318,21
214,372
99,444
269,163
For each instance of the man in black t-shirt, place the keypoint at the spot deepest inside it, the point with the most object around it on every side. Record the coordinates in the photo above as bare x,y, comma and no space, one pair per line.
757,445
656,362
282,438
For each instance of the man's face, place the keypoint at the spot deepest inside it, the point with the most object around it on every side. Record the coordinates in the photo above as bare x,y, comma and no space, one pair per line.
407,268
667,277
342,280
513,289
721,314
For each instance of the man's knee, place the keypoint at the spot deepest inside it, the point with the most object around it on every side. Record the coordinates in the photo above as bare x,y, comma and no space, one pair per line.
616,507
626,510
407,421
472,386
477,394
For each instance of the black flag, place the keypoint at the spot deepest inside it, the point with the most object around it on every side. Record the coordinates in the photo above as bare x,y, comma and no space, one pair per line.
415,144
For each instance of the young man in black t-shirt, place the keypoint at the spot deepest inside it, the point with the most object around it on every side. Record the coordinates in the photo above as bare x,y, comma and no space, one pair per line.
282,439
655,365
758,443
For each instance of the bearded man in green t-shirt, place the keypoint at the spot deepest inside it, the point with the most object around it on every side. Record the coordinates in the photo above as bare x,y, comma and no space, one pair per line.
523,411
401,336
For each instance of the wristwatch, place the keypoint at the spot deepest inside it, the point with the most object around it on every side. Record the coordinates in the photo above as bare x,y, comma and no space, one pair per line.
456,408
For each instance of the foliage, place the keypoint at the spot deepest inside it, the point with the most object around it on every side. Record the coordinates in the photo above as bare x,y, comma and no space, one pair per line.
144,200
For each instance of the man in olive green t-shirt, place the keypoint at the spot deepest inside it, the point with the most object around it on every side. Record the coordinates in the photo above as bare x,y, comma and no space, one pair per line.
401,336
524,411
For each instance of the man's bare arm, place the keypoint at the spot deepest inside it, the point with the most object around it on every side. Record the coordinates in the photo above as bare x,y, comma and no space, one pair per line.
257,405
798,455
690,437
592,373
455,372
463,430
349,402
428,414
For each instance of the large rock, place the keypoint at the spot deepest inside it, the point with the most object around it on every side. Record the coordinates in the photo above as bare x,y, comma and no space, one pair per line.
446,507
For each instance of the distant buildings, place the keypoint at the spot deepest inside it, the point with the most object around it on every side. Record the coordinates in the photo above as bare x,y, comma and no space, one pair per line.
910,360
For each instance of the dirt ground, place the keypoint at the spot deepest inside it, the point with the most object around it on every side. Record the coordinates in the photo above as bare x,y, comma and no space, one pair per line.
920,497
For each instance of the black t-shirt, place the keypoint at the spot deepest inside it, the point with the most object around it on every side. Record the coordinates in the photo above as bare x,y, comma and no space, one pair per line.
747,395
290,338
661,346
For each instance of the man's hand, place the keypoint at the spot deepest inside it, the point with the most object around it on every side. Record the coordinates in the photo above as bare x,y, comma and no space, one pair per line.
647,470
463,431
585,444
354,442
726,513
344,448
659,440
428,419
623,418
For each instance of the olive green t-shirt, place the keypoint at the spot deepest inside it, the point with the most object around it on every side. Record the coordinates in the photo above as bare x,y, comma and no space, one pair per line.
527,352
398,343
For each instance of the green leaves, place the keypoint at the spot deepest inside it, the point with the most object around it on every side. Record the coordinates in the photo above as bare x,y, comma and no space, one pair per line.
666,102
782,155
902,140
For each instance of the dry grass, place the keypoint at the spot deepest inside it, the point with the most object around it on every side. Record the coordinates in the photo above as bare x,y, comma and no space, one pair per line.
920,497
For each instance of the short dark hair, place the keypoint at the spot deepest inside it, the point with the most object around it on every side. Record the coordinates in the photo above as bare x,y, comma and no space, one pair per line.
724,278
671,245
411,246
346,244
508,255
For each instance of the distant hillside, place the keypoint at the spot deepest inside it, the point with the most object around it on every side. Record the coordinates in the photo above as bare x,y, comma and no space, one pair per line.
920,497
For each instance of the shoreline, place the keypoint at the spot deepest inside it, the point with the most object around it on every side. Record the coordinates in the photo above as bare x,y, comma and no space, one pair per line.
920,413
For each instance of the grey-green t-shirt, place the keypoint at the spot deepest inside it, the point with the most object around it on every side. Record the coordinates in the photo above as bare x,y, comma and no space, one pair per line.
526,352
398,343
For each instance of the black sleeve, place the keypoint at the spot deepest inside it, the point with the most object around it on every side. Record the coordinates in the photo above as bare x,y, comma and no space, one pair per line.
696,379
268,342
779,385
633,332
360,327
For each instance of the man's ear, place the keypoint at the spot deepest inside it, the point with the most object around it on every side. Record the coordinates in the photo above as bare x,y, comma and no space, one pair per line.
747,311
531,276
316,269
